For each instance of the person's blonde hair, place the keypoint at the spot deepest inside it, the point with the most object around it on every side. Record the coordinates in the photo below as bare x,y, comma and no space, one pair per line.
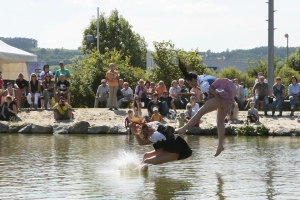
144,130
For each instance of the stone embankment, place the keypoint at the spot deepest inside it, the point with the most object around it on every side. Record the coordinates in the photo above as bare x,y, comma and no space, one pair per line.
103,121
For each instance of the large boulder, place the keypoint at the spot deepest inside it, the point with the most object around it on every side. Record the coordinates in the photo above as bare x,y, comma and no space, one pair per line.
118,129
14,128
60,130
98,129
3,127
79,127
26,129
41,129
194,131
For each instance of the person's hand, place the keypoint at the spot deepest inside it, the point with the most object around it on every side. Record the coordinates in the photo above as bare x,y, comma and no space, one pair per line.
46,89
180,131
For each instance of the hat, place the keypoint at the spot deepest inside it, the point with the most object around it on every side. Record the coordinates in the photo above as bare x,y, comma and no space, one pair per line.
103,81
155,108
141,80
61,62
8,96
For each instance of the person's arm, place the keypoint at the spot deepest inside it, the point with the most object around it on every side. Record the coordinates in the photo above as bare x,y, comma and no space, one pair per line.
68,105
51,85
39,87
68,76
2,112
253,91
55,106
266,92
14,110
283,93
29,89
149,108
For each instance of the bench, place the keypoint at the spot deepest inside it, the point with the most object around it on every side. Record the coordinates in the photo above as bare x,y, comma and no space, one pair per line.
127,103
260,104
102,101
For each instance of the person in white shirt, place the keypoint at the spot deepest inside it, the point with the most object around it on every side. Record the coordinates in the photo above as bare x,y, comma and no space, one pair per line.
45,71
102,92
127,94
174,89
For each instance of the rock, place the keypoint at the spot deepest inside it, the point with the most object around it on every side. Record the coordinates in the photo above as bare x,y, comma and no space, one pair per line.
41,129
3,127
79,127
117,129
194,131
14,128
60,130
26,129
282,131
98,129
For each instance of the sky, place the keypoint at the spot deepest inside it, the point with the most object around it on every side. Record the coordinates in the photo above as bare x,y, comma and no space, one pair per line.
215,25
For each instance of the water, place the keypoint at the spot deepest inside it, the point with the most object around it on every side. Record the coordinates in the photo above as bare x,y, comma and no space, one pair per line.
88,167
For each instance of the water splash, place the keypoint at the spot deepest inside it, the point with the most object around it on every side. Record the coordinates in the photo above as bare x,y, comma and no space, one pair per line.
128,161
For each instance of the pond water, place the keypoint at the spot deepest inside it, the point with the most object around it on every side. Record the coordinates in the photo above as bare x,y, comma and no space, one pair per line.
92,167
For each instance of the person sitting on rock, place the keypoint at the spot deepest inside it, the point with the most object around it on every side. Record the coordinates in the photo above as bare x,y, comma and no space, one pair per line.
103,93
62,110
9,109
127,94
127,121
167,103
189,113
63,88
10,91
48,92
252,114
137,107
156,116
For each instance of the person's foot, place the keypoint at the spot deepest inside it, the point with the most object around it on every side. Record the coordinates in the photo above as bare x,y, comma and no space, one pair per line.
292,114
273,115
71,120
110,109
116,108
280,115
266,114
219,150
55,121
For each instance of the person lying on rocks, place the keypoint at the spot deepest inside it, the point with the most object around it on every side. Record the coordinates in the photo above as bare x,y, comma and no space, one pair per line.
62,110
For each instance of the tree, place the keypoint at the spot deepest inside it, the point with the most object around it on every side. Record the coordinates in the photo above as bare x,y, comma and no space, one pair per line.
43,51
294,60
166,58
87,75
233,72
116,33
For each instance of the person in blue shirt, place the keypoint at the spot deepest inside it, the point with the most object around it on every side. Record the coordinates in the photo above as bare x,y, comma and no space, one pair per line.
278,96
294,93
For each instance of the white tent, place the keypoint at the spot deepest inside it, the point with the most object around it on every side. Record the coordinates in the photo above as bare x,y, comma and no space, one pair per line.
13,61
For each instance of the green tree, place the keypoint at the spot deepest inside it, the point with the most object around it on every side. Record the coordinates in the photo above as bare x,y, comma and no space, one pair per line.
256,67
87,75
116,33
285,74
233,72
294,60
166,58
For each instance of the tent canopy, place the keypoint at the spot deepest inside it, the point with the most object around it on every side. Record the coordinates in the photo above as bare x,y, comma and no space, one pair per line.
13,61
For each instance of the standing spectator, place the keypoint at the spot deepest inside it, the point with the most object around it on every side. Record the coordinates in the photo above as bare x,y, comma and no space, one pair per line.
140,91
63,88
262,94
62,70
21,86
174,89
239,94
48,92
112,77
167,103
62,110
33,91
121,86
156,116
102,92
294,93
127,94
160,88
181,120
252,114
246,94
9,109
137,107
278,96
45,71
127,121
189,113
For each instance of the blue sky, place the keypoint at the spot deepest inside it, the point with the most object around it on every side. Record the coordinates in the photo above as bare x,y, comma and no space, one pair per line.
189,24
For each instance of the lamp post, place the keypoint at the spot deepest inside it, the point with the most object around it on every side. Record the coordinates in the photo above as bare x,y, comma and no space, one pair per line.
287,46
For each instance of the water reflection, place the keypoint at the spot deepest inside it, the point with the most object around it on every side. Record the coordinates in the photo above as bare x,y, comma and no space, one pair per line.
86,166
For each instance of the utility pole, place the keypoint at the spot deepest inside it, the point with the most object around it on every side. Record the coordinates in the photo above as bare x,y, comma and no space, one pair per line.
271,46
98,29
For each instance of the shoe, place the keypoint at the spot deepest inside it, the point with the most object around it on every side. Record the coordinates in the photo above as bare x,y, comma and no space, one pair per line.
116,108
273,115
292,112
110,109
266,114
55,121
280,115
71,120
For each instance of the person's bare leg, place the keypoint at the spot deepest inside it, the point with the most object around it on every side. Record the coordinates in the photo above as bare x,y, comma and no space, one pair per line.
210,105
70,114
221,114
162,158
55,115
152,153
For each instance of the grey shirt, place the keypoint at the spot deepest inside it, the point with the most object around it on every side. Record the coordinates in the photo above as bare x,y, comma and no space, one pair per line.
253,111
260,89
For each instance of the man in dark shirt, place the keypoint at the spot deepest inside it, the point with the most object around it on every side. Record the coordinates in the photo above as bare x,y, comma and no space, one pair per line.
260,93
63,88
21,86
167,103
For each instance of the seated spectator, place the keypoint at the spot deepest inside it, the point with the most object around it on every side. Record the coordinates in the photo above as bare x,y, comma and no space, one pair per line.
156,116
127,121
140,91
62,110
181,120
119,91
63,88
9,109
160,88
48,92
102,92
166,103
189,113
10,91
260,93
174,89
155,103
198,94
246,95
183,89
45,72
33,91
252,114
20,86
137,107
1,85
127,94
278,96
233,113
294,93
153,87
194,104
239,95
259,75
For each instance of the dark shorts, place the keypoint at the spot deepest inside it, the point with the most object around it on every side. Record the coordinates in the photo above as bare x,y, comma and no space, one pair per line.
60,116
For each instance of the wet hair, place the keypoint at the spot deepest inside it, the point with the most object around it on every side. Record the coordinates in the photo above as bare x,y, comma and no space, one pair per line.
187,75
145,130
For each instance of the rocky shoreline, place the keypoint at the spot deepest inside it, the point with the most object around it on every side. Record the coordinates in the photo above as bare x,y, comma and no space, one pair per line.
102,121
